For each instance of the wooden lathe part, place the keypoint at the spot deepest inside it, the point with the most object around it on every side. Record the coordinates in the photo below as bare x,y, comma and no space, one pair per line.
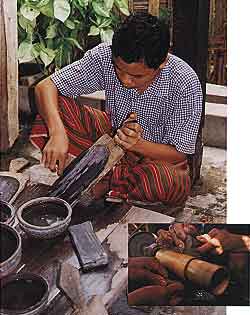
207,275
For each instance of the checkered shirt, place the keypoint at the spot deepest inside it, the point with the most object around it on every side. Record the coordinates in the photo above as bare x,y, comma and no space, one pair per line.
169,111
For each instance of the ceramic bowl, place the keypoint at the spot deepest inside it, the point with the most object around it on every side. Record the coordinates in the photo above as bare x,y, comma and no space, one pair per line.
11,250
24,294
7,213
45,217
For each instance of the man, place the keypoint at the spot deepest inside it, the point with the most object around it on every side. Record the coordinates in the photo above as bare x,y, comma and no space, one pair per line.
153,103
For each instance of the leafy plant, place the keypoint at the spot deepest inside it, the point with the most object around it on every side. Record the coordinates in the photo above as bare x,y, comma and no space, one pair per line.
56,32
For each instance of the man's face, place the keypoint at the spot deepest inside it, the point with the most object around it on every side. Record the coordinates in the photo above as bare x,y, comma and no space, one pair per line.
134,75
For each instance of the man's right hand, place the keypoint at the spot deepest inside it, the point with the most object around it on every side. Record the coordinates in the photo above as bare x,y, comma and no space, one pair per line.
55,150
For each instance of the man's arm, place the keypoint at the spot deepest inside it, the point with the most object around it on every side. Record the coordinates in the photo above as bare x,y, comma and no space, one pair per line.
56,148
158,151
129,137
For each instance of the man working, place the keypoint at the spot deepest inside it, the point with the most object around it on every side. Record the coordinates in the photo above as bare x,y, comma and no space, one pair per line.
153,103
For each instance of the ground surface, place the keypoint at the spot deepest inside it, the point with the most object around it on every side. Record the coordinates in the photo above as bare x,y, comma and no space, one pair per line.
208,201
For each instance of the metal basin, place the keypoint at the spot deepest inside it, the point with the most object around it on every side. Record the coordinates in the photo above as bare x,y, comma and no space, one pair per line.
25,294
7,213
11,251
45,217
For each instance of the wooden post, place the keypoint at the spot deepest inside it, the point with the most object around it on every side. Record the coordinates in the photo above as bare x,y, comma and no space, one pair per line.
154,7
8,74
190,42
131,6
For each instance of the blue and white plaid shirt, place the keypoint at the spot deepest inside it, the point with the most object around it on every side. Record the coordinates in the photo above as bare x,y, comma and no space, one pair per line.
169,111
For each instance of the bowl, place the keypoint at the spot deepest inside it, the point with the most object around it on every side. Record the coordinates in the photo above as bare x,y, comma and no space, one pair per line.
9,187
7,213
45,217
11,250
24,294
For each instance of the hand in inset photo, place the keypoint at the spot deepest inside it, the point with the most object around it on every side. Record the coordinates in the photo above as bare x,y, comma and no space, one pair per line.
189,264
149,283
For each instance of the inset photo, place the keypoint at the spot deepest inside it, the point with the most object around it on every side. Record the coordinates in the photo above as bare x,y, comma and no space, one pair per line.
188,264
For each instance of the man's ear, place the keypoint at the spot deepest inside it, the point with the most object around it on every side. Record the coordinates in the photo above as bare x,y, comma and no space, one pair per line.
162,65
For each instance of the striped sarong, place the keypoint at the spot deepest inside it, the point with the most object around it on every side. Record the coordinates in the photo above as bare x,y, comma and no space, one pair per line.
135,177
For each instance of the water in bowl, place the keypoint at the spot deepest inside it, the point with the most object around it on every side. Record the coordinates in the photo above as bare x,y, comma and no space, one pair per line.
45,214
48,219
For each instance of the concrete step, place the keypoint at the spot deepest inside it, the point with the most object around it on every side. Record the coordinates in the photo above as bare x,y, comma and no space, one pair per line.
215,128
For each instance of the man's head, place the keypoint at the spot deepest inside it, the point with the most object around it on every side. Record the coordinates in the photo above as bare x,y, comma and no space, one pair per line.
139,49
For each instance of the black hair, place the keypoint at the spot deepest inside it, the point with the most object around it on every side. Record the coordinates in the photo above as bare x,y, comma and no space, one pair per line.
144,37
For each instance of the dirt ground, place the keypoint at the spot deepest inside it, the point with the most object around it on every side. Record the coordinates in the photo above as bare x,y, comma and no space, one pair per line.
208,202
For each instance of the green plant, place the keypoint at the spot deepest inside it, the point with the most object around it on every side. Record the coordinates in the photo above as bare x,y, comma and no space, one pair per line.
57,32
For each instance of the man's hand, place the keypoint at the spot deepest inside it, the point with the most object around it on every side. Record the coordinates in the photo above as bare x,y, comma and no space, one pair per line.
219,241
155,295
55,150
149,283
178,235
129,134
144,271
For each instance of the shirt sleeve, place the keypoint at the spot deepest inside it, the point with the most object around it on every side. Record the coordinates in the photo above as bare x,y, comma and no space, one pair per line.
84,76
185,120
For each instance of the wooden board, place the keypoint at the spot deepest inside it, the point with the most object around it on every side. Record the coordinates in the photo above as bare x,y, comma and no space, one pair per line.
141,215
116,153
8,74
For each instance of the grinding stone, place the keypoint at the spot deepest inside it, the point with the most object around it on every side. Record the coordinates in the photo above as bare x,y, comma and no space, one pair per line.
88,247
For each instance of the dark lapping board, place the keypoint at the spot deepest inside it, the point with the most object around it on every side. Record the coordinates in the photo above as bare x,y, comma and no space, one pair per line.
80,173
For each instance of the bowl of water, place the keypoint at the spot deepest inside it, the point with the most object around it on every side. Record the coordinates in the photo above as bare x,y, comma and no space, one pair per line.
11,250
7,213
45,217
24,294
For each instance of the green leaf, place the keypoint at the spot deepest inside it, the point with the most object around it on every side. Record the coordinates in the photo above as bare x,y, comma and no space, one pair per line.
164,15
61,9
98,20
36,50
106,35
50,43
52,31
29,12
48,10
100,8
47,56
74,42
25,52
109,4
122,5
93,21
63,55
23,22
105,22
94,31
83,3
70,24
42,3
